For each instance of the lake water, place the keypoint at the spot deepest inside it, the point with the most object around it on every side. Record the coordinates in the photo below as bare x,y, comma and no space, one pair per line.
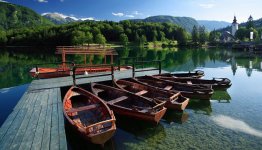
231,120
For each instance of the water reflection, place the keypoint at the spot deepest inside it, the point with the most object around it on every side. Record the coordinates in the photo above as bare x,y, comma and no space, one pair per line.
200,107
236,125
172,116
221,96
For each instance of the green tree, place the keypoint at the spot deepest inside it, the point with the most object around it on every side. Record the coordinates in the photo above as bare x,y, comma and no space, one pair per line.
100,39
214,36
124,39
195,35
181,36
78,38
143,40
250,23
89,37
3,38
202,35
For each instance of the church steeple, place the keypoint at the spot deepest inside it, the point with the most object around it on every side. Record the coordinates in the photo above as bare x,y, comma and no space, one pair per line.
234,26
235,19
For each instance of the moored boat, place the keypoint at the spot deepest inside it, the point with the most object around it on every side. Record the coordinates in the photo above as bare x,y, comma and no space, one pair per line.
190,91
44,73
216,83
195,74
174,100
89,115
127,104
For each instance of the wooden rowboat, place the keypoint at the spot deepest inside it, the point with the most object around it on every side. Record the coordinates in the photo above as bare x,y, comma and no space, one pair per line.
89,115
173,100
190,91
127,104
216,83
44,73
196,74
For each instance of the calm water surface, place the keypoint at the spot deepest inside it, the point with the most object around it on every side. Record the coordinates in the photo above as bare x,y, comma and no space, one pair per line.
231,120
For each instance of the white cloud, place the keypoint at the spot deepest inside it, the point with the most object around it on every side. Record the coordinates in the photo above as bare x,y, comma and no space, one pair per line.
42,1
130,16
207,6
118,14
137,13
3,1
61,0
89,18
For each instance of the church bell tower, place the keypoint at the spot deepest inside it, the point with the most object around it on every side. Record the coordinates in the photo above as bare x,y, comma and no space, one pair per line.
234,26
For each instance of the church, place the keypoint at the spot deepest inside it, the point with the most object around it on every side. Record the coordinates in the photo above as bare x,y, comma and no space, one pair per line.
230,37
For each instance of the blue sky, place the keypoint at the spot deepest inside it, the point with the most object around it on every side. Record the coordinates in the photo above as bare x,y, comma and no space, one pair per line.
221,10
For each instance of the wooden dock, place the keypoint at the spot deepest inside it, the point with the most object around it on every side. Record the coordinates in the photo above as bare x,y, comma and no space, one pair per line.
37,121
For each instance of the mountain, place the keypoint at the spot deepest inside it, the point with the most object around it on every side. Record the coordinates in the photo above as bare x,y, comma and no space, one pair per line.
15,16
185,22
57,18
211,25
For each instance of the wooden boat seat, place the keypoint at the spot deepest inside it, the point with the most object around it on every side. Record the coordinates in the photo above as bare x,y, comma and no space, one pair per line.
189,82
168,87
73,110
122,86
141,92
117,99
99,90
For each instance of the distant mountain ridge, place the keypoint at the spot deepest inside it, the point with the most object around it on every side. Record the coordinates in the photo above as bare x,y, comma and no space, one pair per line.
211,25
185,22
15,16
58,18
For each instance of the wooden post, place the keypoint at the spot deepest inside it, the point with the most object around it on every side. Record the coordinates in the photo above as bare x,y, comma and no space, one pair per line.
112,59
85,58
105,59
133,69
118,64
160,67
74,76
63,57
112,72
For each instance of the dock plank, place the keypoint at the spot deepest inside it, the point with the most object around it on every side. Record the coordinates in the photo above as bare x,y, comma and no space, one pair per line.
21,131
31,128
61,126
54,129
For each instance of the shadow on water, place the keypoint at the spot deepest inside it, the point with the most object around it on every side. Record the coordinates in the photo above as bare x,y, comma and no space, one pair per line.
173,116
200,106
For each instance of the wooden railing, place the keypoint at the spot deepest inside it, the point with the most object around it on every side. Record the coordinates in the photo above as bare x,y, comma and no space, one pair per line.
92,66
134,59
143,70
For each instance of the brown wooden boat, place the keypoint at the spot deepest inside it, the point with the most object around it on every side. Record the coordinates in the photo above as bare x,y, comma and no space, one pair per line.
190,91
216,83
196,74
89,115
173,100
128,104
44,73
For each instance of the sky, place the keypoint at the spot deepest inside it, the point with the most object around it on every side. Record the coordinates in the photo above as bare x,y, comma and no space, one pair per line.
220,10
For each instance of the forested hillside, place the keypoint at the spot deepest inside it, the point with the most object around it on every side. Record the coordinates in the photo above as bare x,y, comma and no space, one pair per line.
15,16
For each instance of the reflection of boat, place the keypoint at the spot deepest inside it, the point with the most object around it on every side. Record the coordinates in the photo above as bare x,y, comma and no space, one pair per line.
196,74
216,83
190,91
128,104
200,107
139,129
176,116
221,96
89,115
43,73
173,100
